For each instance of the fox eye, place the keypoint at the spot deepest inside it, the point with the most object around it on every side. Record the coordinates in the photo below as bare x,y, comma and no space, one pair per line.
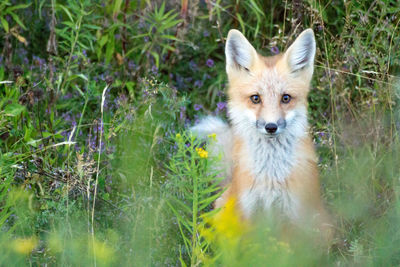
256,99
286,98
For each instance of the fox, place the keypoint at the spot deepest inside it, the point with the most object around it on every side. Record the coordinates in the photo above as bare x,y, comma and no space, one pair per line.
268,157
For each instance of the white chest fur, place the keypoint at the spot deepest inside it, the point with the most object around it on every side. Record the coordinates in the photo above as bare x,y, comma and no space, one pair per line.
271,161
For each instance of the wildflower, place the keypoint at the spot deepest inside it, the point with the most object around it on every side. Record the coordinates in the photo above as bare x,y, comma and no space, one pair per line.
213,136
226,227
221,105
202,153
154,70
197,107
210,63
131,65
198,83
24,245
178,136
275,50
228,222
102,251
220,93
182,113
193,65
206,33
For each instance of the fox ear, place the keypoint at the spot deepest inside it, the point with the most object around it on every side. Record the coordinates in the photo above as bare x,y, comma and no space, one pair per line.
300,54
239,52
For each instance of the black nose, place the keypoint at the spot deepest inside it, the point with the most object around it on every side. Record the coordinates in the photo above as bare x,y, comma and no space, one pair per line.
271,127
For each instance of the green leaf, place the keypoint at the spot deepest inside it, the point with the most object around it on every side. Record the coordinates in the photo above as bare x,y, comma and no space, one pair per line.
5,24
46,134
66,11
117,7
103,40
17,20
110,47
22,6
14,110
170,37
156,57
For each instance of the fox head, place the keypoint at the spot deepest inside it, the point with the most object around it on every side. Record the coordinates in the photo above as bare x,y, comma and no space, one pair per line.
268,95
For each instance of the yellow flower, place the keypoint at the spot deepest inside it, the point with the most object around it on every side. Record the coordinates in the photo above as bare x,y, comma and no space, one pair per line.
54,244
178,135
24,245
228,222
202,153
226,226
213,136
102,251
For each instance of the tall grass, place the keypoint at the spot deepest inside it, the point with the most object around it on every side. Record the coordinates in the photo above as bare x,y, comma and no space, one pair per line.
110,177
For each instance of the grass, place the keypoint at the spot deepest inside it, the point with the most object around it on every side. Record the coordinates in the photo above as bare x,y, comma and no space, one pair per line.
96,167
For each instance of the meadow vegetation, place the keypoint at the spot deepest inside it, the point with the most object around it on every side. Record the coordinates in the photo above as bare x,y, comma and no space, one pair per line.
96,165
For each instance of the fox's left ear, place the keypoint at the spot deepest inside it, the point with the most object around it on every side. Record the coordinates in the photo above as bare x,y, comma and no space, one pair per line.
300,55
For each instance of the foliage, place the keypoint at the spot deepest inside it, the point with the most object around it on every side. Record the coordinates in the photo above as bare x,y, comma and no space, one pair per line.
197,187
96,167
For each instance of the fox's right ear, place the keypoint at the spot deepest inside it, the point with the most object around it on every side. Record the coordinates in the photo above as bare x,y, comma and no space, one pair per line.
300,55
240,54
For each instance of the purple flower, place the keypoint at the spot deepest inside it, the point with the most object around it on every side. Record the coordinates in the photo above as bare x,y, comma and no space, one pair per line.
67,96
210,63
221,105
274,50
141,24
193,65
39,61
154,70
182,113
84,53
146,39
129,117
197,107
220,93
206,33
121,99
198,83
131,65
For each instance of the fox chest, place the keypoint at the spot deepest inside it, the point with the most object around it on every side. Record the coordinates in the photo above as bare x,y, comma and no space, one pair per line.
270,164
265,197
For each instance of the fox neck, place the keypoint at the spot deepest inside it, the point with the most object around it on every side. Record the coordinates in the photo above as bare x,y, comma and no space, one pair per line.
272,159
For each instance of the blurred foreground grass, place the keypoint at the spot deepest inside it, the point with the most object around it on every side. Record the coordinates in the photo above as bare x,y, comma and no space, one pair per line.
95,165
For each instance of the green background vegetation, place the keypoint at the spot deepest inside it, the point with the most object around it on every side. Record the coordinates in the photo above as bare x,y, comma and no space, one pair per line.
93,93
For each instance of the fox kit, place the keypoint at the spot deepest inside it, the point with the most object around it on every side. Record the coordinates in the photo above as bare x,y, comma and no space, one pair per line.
268,156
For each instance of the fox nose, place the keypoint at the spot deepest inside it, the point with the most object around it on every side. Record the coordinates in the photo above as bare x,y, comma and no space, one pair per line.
271,127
